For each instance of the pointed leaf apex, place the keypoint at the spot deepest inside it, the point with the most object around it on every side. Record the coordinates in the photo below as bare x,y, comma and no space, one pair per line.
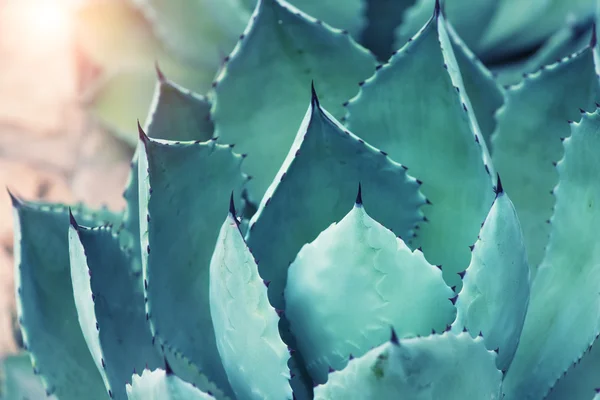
16,202
437,9
359,200
232,206
161,77
168,369
143,137
72,220
499,189
394,337
314,98
594,38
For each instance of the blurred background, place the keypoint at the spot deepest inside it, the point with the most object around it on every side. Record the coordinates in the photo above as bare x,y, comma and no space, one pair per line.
49,148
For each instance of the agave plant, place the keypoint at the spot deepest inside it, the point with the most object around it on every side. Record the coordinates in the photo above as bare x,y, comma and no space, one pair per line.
191,39
445,289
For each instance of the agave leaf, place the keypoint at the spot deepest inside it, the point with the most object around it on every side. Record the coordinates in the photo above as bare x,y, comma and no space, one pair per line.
315,188
527,140
120,98
434,367
123,92
110,305
510,29
175,114
486,95
182,189
348,15
383,17
495,291
244,321
470,18
162,385
565,290
580,380
197,31
261,92
414,108
187,371
568,40
45,303
19,380
356,279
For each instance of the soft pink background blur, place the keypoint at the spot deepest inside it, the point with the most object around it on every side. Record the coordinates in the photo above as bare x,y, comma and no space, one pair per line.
48,148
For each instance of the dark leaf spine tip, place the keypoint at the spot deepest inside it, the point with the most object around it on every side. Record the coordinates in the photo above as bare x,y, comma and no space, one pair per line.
453,299
594,38
168,369
439,267
499,189
143,137
472,247
378,67
497,350
314,100
581,110
13,199
267,283
161,77
359,200
464,329
393,337
462,274
232,206
72,220
480,334
437,9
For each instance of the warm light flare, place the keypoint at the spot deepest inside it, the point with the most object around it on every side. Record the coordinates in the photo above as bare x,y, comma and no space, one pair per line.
47,20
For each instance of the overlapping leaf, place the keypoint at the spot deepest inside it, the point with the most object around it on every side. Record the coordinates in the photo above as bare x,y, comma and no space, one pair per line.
183,187
245,323
109,298
495,291
45,302
416,108
565,303
351,284
260,95
527,140
435,367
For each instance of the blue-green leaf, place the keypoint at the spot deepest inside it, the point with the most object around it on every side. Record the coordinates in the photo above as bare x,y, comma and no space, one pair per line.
383,17
351,284
197,31
162,385
182,191
18,379
45,303
495,291
486,95
518,25
470,18
416,108
177,113
580,380
317,185
563,318
244,321
447,366
527,140
260,95
110,306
